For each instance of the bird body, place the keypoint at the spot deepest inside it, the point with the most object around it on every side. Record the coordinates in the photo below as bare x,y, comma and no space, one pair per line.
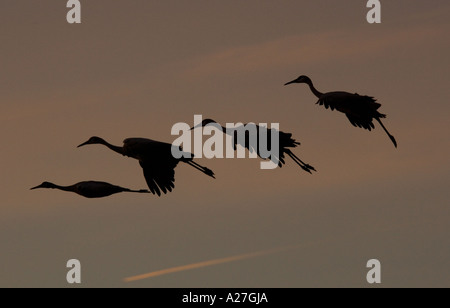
141,148
360,110
156,160
252,141
90,189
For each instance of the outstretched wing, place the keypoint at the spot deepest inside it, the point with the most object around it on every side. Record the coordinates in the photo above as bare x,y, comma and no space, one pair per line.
242,135
331,100
159,175
360,110
142,148
157,162
362,122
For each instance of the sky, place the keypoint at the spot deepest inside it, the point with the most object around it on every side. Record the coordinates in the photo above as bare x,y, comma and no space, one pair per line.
136,68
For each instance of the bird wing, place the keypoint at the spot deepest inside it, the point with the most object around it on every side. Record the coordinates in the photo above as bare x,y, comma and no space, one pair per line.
366,123
330,100
360,110
140,148
159,174
156,160
348,102
286,141
238,138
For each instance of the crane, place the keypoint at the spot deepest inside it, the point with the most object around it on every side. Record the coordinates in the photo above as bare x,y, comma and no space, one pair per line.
285,141
359,109
156,160
91,189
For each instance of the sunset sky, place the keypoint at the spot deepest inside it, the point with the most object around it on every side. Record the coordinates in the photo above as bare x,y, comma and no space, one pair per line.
136,68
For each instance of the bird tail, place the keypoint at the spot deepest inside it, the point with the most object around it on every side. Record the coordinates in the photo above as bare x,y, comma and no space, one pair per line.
308,168
372,101
287,141
387,132
205,170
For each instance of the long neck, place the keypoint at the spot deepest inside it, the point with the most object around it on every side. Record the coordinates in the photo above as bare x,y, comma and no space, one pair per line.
113,147
314,90
219,127
64,188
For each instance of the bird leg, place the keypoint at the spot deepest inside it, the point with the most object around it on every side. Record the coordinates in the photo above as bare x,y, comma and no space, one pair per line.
142,191
201,168
308,168
390,136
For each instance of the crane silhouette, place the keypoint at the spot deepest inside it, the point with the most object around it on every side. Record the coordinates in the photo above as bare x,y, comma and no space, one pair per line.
359,109
285,142
91,189
156,160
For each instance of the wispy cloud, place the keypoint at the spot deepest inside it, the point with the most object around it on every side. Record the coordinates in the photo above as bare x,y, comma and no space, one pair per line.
206,264
306,49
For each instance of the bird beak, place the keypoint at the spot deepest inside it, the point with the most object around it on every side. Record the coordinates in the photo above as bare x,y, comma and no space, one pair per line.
290,82
39,186
83,144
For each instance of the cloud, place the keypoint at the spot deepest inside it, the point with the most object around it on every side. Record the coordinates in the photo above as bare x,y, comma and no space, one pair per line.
206,264
306,50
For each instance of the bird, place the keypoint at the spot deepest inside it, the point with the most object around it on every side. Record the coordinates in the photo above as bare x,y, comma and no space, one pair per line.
156,160
360,110
91,189
285,142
